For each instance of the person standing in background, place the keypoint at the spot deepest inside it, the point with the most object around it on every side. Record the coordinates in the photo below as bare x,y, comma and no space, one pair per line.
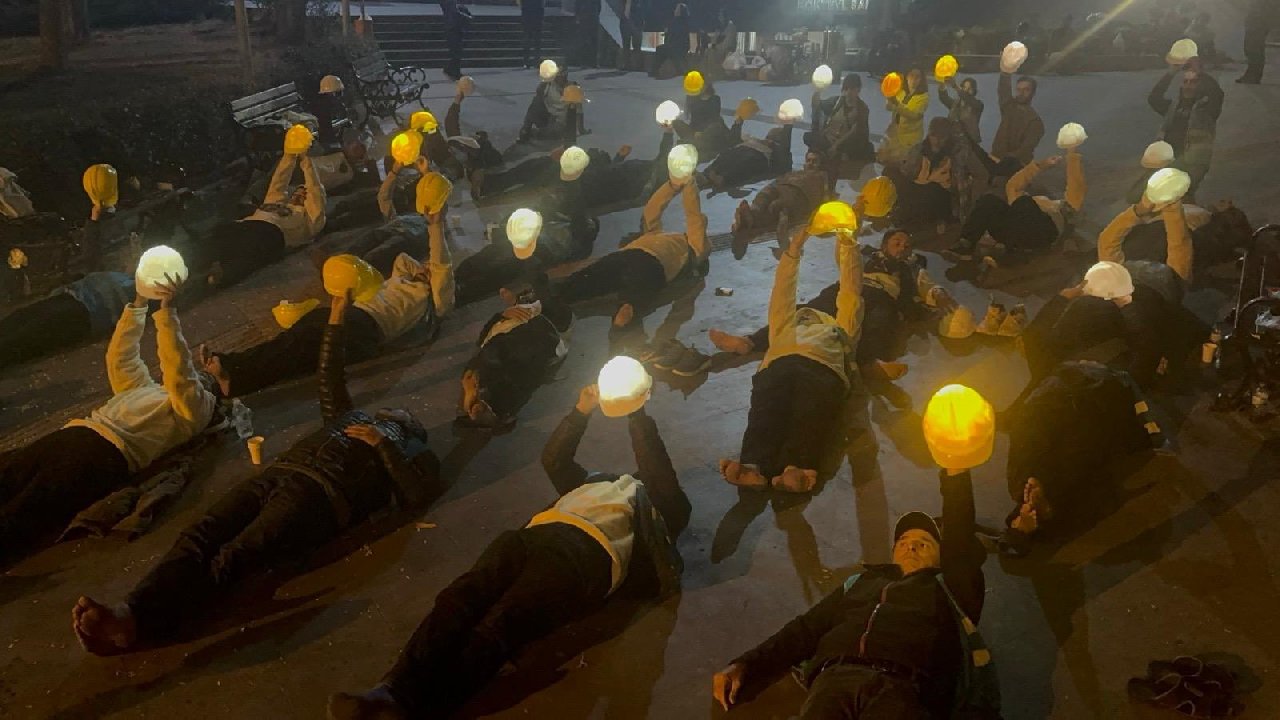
586,15
455,19
631,27
531,12
1257,24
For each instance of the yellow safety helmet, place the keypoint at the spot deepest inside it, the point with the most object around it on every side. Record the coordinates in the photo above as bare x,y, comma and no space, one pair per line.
879,195
891,85
343,273
946,67
433,193
406,147
102,185
747,109
831,217
287,314
423,121
298,140
959,428
693,82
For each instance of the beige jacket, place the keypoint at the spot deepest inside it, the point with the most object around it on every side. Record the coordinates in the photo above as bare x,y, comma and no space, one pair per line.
300,225
1180,252
1057,210
673,249
144,418
603,510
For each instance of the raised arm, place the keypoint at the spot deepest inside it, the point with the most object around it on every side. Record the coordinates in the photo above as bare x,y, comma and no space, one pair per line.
816,110
1004,90
335,399
1077,188
278,187
386,193
782,301
1017,184
1179,254
1156,98
187,395
653,465
558,455
453,117
1111,240
657,205
125,368
947,101
962,555
316,196
849,297
695,223
440,265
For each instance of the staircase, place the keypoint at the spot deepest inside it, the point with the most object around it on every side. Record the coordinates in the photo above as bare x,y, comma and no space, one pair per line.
492,41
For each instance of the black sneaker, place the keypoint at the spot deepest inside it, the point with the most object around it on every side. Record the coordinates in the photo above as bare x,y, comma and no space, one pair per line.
691,363
668,355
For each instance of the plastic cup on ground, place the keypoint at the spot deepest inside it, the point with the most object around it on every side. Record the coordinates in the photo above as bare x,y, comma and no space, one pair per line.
255,448
1207,352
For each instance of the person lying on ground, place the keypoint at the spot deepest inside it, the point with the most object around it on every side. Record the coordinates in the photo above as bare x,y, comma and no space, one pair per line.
495,265
1220,233
799,392
896,289
791,198
1020,221
415,292
896,640
1179,249
840,133
354,466
932,179
44,484
606,536
749,160
1063,433
286,220
518,350
639,271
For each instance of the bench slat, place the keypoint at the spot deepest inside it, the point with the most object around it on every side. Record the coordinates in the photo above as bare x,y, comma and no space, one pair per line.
266,95
272,107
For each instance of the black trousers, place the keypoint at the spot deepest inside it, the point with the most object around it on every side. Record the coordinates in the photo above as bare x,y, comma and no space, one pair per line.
44,327
855,691
453,39
740,164
241,248
588,30
926,204
796,409
532,172
44,485
631,42
525,584
532,26
677,54
296,351
263,523
1257,26
636,276
1021,225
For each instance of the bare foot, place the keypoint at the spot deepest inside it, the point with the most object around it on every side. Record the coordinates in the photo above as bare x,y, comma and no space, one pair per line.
625,314
795,480
741,229
103,630
736,344
747,476
212,364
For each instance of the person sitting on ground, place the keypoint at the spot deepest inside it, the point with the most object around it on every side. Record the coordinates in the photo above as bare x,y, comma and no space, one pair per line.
840,132
455,154
896,288
906,122
416,291
286,220
1021,221
790,198
1021,128
1063,434
650,262
496,265
44,484
965,109
548,115
705,129
1219,234
935,177
896,640
606,535
750,159
799,392
518,350
353,467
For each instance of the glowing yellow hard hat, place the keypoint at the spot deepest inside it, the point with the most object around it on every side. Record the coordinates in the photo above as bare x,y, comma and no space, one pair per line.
879,195
791,110
682,161
891,85
573,95
959,428
348,272
822,77
423,121
287,314
406,147
298,140
693,82
747,109
102,185
946,67
624,386
155,266
433,193
831,217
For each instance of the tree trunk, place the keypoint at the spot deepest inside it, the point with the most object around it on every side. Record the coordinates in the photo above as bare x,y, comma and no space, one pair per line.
246,57
78,14
291,21
346,17
53,51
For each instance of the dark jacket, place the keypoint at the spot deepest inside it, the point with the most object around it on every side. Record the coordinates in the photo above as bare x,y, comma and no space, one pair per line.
359,479
620,180
1020,128
964,110
1077,329
884,616
510,366
661,512
704,111
1191,124
854,142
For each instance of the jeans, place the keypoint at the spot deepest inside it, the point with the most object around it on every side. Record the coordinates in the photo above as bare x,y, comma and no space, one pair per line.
855,692
44,327
43,485
263,523
636,276
796,408
926,204
1021,225
296,351
525,584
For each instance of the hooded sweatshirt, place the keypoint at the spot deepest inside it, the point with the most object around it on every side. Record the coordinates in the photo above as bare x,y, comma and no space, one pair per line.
299,224
404,298
145,419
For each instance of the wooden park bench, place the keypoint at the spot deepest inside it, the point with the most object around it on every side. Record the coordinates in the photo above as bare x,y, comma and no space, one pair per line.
385,89
258,117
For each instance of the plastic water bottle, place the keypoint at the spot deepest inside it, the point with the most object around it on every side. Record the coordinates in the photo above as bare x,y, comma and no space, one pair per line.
242,419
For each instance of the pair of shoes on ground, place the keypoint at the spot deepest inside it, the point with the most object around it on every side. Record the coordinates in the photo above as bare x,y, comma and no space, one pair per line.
793,479
1188,685
672,356
1003,323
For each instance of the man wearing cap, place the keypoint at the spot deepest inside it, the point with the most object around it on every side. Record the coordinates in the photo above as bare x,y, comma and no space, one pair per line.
414,291
897,640
607,535
790,198
336,477
517,351
840,131
1190,120
650,262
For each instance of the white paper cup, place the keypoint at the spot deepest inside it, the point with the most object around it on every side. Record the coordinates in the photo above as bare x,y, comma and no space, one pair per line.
1207,352
255,448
